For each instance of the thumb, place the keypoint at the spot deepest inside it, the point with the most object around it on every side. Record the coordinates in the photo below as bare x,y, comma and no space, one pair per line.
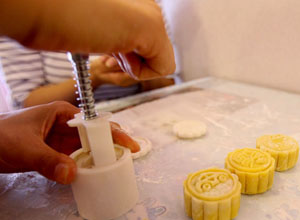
122,138
54,165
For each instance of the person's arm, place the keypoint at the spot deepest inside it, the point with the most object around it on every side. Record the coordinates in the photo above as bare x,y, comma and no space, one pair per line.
132,30
104,70
64,91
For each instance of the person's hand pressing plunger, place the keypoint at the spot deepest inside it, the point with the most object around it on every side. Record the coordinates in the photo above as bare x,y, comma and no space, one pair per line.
133,31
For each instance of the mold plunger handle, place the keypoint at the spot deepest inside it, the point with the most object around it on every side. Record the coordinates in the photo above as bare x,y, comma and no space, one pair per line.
94,131
81,71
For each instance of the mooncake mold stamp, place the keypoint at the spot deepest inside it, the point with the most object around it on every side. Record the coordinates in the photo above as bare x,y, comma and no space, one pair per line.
212,194
284,149
189,129
255,169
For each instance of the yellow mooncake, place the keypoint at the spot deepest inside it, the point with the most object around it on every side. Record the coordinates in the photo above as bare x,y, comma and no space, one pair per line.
255,169
283,149
212,194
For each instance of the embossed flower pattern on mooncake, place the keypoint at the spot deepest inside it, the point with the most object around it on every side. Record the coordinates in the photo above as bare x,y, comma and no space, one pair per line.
212,194
282,148
255,169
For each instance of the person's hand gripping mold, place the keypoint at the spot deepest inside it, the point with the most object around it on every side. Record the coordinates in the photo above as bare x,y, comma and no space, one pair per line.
41,141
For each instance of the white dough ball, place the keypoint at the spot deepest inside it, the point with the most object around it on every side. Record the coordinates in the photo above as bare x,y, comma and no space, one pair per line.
189,129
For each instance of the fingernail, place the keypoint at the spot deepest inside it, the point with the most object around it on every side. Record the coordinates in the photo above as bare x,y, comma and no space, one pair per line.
110,63
61,173
136,147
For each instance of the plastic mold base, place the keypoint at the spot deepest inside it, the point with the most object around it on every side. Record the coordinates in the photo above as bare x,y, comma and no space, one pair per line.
105,185
212,194
104,192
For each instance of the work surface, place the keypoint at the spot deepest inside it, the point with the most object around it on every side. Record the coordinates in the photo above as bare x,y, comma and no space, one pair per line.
235,114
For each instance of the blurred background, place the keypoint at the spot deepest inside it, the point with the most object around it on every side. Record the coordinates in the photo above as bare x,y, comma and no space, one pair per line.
252,41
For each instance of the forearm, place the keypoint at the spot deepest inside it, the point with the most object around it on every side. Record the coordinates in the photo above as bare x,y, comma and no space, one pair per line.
64,91
77,25
132,30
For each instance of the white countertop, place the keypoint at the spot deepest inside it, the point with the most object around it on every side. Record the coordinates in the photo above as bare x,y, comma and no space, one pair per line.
235,114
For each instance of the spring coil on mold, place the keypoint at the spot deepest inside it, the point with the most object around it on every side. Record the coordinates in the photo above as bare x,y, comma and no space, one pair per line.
81,72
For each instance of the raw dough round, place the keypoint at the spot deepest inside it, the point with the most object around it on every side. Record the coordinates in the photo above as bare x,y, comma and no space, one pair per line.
188,129
145,146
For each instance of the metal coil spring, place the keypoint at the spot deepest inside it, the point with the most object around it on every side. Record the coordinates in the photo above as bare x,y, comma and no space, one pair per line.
81,72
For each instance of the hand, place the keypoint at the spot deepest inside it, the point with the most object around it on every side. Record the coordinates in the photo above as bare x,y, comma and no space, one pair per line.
121,138
38,139
151,55
132,30
156,83
105,70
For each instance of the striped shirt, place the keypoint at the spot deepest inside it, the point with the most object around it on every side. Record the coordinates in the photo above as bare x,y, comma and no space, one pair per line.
26,70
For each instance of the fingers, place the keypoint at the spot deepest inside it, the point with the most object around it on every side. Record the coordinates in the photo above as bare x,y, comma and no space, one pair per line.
104,64
58,134
121,138
48,161
107,71
34,155
64,111
102,58
51,164
122,64
22,146
118,78
141,68
153,55
55,121
115,125
157,66
111,62
108,61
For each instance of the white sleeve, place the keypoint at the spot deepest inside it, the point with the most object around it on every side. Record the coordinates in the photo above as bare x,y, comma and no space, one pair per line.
177,74
23,69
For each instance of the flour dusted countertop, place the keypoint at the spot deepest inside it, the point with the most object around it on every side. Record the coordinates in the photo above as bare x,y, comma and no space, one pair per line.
235,114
